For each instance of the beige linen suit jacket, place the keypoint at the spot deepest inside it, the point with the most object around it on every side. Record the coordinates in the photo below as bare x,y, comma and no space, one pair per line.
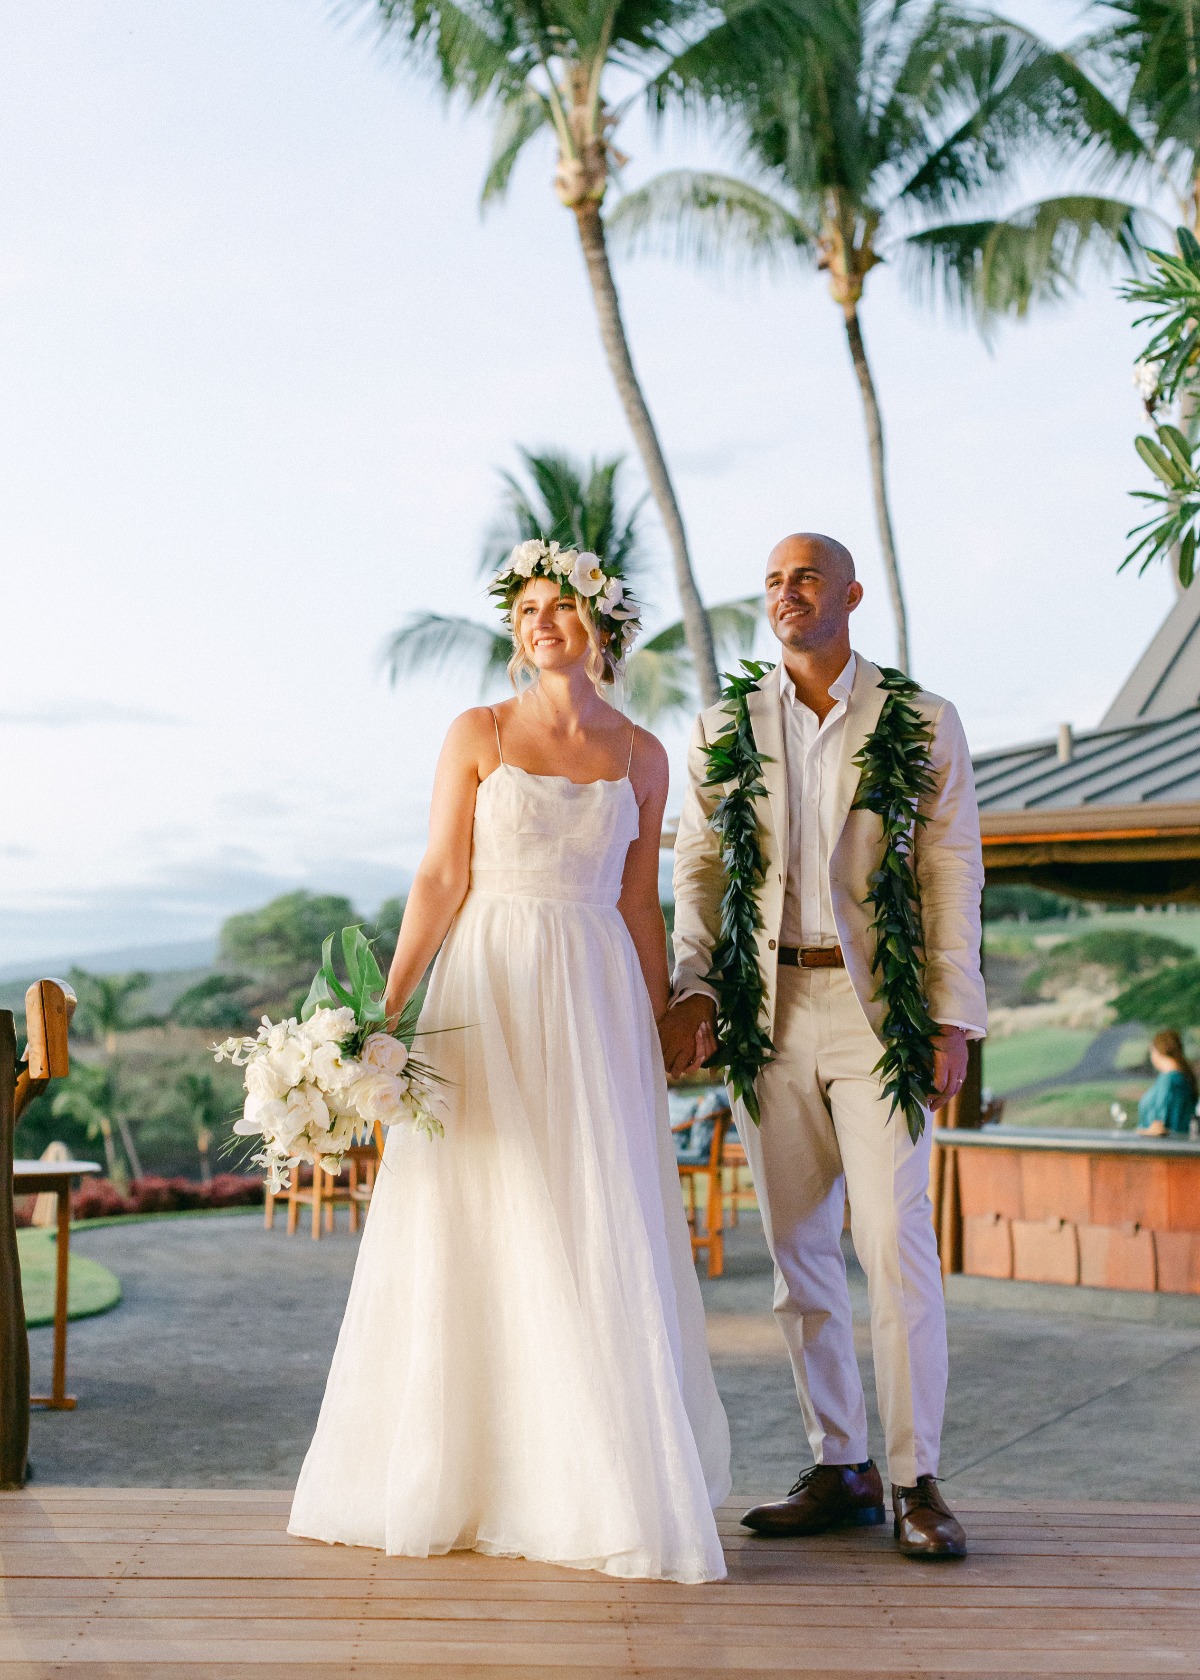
949,862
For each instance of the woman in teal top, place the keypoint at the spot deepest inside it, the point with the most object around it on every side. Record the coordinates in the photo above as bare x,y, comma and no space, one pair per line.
1170,1103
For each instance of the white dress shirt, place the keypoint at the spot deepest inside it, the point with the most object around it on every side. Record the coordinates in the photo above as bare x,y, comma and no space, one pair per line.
811,750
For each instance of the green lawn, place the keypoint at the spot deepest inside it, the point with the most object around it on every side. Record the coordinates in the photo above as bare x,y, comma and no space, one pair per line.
91,1287
1076,1105
1009,1063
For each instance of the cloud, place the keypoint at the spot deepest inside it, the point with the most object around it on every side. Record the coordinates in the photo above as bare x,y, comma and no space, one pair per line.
178,903
76,714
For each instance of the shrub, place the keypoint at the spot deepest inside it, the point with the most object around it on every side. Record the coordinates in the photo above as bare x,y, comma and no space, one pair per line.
1105,956
99,1199
1169,999
1022,903
214,1003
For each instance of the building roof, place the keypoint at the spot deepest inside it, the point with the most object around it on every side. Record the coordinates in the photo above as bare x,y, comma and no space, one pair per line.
1142,763
1166,679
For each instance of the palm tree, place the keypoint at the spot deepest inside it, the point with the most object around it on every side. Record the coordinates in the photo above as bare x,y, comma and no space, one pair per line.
89,1097
104,1011
1149,52
888,118
578,505
546,67
205,1112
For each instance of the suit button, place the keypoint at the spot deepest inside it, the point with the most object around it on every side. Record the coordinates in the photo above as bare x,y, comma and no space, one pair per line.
770,944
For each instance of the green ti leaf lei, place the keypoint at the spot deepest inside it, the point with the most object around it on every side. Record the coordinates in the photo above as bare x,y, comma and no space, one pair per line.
735,975
895,775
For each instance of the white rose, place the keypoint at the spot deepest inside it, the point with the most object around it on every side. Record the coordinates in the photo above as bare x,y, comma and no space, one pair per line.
263,1080
524,558
288,1062
328,1026
586,577
562,560
262,1116
384,1054
330,1068
381,1097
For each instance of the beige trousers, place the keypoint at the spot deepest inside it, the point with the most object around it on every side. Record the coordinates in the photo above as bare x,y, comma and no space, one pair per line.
827,1133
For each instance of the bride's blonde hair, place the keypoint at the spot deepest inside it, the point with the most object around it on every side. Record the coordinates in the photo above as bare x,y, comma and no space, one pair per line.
601,665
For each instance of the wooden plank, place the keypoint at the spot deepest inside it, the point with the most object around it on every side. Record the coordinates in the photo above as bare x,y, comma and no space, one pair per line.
122,1584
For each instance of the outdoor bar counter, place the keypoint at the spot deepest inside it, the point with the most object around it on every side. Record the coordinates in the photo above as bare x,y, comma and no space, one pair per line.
1105,1209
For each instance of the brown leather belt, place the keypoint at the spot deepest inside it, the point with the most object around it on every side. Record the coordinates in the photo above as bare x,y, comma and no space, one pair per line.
811,956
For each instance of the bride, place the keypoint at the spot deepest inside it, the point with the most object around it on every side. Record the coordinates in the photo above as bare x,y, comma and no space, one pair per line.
522,1367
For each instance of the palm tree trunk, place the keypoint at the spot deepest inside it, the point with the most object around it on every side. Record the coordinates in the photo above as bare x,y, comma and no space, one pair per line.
110,1150
696,627
131,1154
883,516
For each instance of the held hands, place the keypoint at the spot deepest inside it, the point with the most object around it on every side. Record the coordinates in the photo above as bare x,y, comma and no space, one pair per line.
949,1066
687,1032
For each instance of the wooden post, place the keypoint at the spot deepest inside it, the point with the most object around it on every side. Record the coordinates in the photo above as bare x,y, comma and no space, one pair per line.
14,1341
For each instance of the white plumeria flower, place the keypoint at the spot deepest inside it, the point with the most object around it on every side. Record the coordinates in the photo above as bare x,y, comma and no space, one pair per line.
586,577
1145,377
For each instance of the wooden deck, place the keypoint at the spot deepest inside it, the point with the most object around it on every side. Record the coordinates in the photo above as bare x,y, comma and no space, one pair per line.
205,1584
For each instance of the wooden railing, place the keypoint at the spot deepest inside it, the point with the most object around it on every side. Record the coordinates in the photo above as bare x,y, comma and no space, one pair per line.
49,1005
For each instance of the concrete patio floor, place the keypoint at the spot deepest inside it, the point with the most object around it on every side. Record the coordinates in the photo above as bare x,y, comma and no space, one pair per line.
210,1374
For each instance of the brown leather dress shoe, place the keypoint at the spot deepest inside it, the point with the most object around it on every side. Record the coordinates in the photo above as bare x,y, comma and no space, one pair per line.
924,1524
826,1496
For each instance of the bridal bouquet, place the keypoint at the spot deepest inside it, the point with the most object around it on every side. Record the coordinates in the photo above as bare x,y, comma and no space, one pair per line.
316,1086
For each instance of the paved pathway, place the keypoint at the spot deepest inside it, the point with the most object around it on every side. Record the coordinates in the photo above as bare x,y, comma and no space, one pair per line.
210,1373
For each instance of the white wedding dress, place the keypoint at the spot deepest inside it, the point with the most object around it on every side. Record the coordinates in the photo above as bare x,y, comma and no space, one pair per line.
522,1368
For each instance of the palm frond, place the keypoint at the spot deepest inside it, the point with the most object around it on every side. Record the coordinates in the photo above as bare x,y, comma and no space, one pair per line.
658,675
710,219
570,501
434,642
734,626
519,120
472,50
989,269
658,685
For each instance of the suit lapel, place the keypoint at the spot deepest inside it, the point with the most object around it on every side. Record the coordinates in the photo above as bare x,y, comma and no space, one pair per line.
767,725
862,714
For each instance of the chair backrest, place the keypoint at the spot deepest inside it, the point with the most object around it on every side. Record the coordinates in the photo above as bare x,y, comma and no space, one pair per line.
14,1342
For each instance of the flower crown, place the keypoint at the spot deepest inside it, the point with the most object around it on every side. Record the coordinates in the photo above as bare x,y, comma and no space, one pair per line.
577,573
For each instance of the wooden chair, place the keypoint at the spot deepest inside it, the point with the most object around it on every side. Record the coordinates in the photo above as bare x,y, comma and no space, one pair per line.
738,1193
352,1188
49,1005
710,1171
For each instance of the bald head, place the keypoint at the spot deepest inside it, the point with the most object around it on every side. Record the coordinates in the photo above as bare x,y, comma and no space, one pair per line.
811,592
831,556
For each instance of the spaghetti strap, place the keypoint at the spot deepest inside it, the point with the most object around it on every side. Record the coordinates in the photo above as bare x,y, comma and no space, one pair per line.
632,739
496,727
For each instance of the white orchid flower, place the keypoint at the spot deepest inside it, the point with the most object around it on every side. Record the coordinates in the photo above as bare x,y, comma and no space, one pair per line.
587,577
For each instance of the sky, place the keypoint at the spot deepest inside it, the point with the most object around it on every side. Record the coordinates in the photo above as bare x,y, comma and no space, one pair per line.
260,360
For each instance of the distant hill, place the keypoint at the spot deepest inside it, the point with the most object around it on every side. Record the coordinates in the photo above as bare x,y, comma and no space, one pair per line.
182,954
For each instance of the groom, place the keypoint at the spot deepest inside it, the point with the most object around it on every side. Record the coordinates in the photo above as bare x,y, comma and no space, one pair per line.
827,1130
